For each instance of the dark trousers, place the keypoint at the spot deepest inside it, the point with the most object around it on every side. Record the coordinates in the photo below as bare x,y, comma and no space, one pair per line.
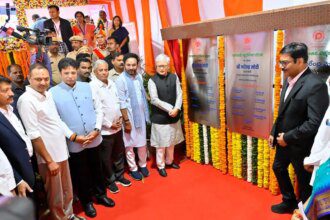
86,173
113,157
282,160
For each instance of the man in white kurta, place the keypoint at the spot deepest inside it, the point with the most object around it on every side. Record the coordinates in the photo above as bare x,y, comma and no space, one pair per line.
7,180
166,101
320,151
134,108
47,133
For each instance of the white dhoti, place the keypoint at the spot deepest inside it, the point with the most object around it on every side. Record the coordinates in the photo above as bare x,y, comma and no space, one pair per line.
164,138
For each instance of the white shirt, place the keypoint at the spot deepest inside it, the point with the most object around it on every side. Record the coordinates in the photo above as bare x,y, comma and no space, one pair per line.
16,123
58,29
41,119
108,96
292,82
7,180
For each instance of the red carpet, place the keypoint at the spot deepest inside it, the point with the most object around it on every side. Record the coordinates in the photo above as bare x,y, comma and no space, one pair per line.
193,192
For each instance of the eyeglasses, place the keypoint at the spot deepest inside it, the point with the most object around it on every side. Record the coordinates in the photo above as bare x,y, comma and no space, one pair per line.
284,62
162,66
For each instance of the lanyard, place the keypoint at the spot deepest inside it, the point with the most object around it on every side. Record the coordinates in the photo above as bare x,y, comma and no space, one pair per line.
82,31
58,31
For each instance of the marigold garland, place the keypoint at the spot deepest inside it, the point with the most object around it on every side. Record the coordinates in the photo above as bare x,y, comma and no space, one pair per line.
187,124
291,174
230,152
237,155
273,186
196,142
266,164
215,147
260,162
249,158
222,103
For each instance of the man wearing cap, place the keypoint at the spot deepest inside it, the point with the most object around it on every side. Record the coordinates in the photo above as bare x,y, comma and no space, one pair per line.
76,43
55,57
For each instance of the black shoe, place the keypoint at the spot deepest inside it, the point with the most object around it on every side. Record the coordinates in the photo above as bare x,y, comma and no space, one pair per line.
113,188
162,172
90,210
124,182
284,207
107,202
144,171
173,165
136,175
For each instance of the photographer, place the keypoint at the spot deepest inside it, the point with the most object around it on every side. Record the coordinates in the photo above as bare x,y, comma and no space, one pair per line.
61,26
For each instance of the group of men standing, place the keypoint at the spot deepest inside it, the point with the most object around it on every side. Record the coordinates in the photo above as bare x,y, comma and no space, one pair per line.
85,131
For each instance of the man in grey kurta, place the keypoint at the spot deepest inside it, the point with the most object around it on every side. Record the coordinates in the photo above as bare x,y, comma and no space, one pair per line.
134,109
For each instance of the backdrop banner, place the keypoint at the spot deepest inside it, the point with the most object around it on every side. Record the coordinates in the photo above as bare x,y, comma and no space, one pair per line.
317,38
202,73
249,70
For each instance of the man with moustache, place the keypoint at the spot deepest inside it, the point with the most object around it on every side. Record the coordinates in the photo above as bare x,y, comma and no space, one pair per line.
55,57
118,66
81,110
112,46
134,109
15,72
14,142
112,146
304,100
46,131
84,70
76,43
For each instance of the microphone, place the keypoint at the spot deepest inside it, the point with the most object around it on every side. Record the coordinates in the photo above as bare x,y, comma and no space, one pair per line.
7,12
10,31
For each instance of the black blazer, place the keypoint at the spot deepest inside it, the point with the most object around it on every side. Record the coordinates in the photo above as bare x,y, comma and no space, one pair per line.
66,30
299,117
15,149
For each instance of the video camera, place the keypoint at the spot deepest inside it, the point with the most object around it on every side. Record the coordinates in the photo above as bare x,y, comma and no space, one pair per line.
40,36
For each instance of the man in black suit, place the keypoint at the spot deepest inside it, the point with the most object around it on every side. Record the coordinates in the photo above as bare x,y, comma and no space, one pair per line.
304,101
14,142
62,27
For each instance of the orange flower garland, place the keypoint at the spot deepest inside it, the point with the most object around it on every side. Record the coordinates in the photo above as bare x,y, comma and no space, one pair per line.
266,164
222,107
230,153
185,107
273,185
260,162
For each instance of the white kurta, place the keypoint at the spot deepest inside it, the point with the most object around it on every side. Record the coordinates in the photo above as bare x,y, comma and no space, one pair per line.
320,151
137,137
165,135
7,180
